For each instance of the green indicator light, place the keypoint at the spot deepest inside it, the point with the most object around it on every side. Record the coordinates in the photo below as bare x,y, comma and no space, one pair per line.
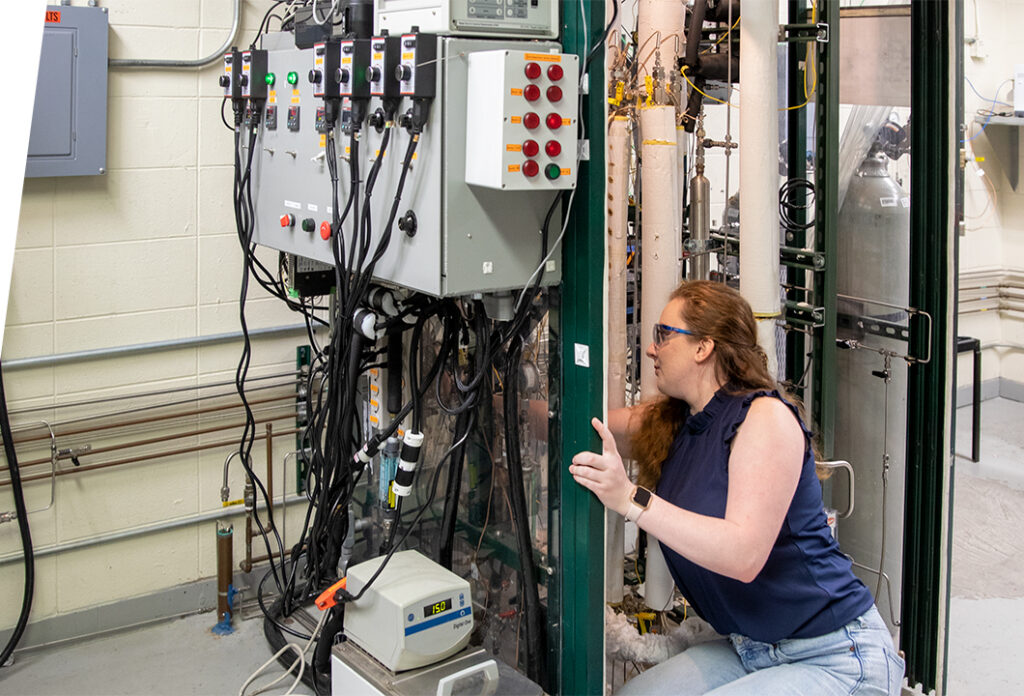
269,79
552,171
293,77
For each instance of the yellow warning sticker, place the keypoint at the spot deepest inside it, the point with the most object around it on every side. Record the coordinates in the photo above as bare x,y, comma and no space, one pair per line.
408,56
346,60
517,119
566,172
517,92
319,61
272,96
544,57
566,121
378,56
513,147
295,100
513,168
323,140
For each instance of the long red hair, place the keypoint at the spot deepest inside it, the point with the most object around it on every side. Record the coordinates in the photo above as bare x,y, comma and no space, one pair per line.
716,311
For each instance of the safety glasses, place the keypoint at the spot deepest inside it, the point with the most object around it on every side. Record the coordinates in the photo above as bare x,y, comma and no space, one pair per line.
662,332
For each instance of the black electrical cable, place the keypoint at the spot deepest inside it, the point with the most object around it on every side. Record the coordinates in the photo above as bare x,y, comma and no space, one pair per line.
23,527
788,209
451,499
520,518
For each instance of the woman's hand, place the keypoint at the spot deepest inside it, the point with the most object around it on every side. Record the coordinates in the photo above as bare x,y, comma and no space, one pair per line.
604,473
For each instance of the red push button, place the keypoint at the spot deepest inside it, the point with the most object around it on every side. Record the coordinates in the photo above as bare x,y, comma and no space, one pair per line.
554,121
325,230
531,148
553,148
530,168
287,220
532,71
554,93
555,73
531,120
531,92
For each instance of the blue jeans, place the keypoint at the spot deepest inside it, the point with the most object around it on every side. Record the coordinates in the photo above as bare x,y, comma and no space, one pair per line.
859,658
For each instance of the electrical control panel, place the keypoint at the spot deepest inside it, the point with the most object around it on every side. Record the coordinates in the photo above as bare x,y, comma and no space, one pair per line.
506,18
69,119
449,238
521,120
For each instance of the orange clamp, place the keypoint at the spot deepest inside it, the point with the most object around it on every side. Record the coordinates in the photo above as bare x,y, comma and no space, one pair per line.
326,599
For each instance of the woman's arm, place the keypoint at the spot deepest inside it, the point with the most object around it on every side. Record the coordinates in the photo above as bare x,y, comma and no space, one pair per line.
764,468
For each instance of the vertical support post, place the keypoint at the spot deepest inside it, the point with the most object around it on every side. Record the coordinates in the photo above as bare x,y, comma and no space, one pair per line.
930,387
826,224
976,405
796,146
581,326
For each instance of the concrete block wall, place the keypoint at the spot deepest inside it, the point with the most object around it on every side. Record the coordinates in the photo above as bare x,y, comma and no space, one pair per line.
146,253
994,211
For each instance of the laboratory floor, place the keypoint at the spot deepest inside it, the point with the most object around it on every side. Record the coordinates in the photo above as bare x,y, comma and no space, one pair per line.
986,612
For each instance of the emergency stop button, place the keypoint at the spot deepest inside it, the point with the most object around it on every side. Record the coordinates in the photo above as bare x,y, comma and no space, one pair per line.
325,230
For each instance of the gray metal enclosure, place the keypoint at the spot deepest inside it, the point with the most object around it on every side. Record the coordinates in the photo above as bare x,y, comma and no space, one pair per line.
468,239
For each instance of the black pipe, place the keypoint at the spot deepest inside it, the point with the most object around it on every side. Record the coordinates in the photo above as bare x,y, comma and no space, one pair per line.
26,535
520,518
451,499
394,376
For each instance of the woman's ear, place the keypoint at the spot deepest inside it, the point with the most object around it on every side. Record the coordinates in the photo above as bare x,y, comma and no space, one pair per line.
704,349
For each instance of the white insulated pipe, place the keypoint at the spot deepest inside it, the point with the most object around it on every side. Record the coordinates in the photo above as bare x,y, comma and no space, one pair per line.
759,180
660,26
617,213
661,269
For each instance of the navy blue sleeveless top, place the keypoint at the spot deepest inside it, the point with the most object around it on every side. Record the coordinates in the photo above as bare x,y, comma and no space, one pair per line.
807,587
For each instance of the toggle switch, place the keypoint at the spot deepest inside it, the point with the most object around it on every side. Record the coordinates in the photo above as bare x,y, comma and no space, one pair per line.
287,220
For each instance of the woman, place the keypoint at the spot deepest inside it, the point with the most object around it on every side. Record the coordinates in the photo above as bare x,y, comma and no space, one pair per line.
737,507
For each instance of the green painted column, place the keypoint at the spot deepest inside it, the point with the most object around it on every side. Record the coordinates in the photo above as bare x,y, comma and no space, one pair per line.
929,393
581,324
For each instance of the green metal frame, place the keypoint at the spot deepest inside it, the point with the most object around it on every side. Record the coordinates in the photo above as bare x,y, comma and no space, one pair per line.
580,321
826,224
931,235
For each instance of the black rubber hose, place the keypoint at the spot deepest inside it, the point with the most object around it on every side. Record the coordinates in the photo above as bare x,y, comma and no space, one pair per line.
322,652
394,358
520,518
26,535
693,35
451,499
277,641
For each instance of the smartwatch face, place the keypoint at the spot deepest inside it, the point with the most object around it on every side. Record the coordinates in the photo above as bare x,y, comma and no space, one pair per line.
642,497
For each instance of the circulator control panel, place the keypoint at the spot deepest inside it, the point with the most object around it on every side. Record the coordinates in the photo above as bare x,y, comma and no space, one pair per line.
521,120
526,19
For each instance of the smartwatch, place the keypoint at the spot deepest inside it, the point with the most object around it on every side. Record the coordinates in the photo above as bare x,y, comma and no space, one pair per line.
638,502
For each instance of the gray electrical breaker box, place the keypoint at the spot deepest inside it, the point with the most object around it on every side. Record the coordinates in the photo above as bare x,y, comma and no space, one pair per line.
69,121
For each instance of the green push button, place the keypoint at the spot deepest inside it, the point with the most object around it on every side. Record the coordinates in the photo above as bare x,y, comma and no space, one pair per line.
293,78
552,171
269,78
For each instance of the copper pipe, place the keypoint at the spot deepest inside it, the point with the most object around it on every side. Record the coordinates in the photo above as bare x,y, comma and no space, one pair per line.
142,421
152,441
224,571
141,458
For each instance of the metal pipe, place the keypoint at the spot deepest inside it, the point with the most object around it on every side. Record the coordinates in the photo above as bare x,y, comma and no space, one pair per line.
225,536
136,460
158,392
220,513
163,438
198,63
137,348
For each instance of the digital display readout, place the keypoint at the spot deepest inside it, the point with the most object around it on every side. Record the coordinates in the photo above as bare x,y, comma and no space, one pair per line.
437,607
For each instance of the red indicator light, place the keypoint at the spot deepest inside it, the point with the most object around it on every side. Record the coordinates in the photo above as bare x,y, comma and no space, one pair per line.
531,120
554,93
532,71
555,73
530,168
554,121
531,92
325,230
287,220
531,148
553,148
